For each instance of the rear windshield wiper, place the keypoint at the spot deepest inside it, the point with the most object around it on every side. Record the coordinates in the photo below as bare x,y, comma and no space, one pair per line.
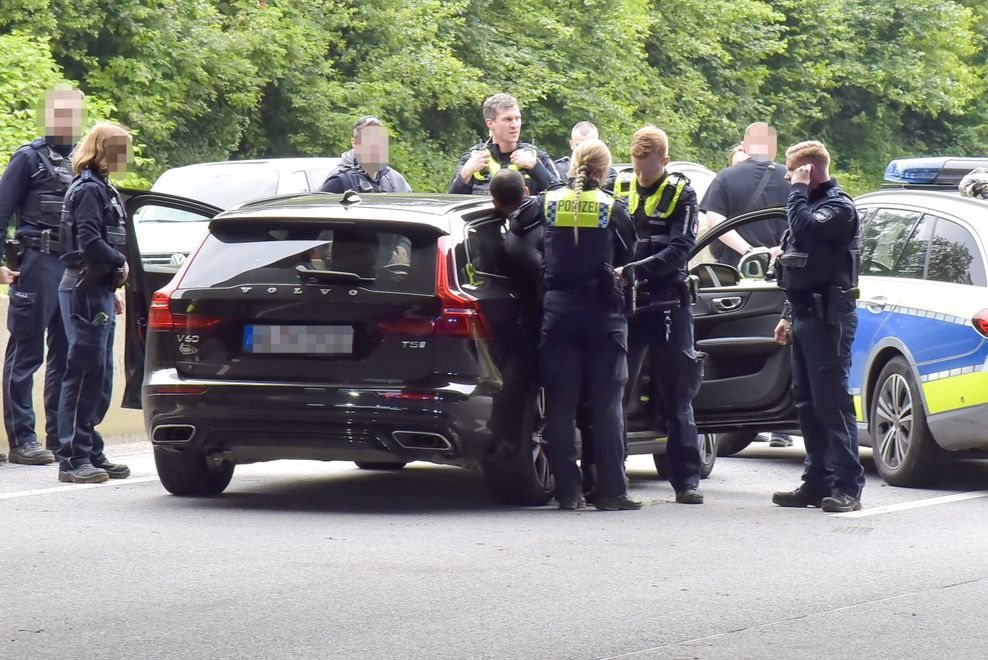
332,275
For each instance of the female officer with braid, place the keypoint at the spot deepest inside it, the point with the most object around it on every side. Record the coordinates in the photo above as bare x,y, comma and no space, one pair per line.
584,331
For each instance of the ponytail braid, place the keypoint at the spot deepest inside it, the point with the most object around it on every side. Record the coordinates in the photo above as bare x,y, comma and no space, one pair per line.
579,181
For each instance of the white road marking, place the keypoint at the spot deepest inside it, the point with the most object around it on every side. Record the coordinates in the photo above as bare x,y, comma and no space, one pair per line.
61,489
916,504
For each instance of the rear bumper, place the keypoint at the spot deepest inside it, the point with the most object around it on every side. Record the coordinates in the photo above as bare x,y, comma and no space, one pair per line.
248,422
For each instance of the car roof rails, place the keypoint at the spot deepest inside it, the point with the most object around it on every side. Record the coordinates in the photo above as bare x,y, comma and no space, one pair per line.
936,173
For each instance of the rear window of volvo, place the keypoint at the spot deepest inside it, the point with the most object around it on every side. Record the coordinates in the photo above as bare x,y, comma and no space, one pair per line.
384,258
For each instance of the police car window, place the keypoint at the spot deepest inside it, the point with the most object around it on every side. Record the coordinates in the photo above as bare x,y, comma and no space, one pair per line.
912,261
884,238
954,255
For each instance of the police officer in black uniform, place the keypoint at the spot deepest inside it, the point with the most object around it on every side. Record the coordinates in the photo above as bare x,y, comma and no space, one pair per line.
582,130
93,236
503,150
663,207
584,331
33,186
818,268
364,168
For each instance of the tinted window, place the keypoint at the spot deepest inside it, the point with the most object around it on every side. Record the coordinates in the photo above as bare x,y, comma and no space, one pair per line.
912,261
954,256
485,249
235,255
884,238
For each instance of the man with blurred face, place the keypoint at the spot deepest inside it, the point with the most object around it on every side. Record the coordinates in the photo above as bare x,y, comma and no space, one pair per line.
364,168
581,132
754,183
503,150
32,188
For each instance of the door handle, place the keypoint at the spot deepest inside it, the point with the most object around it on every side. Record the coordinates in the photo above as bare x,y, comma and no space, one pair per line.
876,304
727,304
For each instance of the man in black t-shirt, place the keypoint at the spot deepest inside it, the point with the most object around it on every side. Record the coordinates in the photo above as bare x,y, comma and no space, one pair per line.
755,183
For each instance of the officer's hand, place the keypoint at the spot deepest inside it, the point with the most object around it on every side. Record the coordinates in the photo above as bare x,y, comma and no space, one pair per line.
802,174
775,251
478,161
126,272
782,332
8,276
118,303
525,159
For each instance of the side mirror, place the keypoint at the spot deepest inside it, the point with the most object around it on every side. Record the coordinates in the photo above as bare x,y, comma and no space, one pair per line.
756,264
716,275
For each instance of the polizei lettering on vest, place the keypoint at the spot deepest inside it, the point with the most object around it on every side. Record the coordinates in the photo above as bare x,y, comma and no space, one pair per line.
569,206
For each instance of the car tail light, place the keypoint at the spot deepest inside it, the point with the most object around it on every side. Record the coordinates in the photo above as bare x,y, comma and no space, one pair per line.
980,321
162,319
408,327
460,315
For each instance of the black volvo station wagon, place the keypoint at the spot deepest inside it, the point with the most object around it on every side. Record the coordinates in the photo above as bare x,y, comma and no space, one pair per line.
386,330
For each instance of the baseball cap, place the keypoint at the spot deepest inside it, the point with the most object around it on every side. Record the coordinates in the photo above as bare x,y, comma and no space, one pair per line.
365,121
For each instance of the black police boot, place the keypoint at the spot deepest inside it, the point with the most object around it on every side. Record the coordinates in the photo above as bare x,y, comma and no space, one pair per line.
801,497
84,474
622,503
840,502
114,470
689,496
3,457
31,453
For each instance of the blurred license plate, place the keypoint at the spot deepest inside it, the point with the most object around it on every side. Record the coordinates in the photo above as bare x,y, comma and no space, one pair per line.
299,339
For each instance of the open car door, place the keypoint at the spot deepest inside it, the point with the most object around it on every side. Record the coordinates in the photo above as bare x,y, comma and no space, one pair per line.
747,378
145,279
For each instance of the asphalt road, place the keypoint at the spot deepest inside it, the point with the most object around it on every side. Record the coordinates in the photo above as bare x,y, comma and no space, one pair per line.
309,560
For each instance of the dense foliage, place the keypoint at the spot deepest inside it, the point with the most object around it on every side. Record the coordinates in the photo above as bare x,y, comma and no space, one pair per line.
217,79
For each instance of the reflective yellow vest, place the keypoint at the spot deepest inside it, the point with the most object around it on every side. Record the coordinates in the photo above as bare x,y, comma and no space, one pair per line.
493,167
591,209
625,188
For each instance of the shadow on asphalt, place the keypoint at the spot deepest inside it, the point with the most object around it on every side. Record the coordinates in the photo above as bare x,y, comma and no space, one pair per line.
962,475
419,488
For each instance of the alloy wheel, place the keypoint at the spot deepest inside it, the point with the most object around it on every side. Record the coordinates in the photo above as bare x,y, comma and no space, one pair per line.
894,420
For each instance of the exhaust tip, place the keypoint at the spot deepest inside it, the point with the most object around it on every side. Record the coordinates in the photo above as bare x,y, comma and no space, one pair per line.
173,434
422,440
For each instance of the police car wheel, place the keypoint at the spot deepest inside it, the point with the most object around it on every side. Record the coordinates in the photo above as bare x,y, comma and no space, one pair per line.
904,451
523,478
731,443
379,465
191,473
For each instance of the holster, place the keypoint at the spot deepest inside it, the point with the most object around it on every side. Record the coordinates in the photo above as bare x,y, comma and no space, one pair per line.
630,284
94,277
836,297
12,252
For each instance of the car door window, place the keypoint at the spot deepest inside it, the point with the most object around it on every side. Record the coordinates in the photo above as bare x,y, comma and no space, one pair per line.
954,255
485,251
296,182
912,260
884,238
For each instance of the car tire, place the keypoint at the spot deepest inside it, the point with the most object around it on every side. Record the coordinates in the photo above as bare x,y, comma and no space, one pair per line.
904,450
523,478
379,465
190,473
731,443
708,456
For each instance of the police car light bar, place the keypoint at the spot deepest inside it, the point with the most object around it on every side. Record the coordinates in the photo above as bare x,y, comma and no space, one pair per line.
940,171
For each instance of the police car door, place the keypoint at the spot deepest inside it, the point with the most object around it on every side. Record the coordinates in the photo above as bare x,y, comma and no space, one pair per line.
746,380
151,269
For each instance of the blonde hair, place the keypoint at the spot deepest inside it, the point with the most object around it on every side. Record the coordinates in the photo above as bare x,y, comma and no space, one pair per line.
649,139
589,165
810,151
94,147
733,152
